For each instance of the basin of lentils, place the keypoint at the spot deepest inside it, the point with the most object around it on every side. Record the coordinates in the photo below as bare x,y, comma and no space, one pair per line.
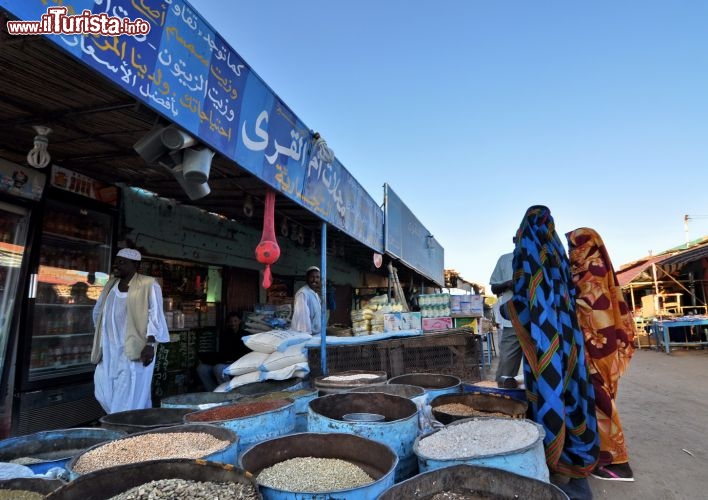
236,410
478,437
309,474
186,489
463,410
150,446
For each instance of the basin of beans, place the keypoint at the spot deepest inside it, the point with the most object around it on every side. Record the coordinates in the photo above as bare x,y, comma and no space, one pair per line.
462,410
309,474
478,437
185,489
149,446
236,410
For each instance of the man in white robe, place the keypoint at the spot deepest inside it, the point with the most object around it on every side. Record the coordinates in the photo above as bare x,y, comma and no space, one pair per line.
307,309
129,322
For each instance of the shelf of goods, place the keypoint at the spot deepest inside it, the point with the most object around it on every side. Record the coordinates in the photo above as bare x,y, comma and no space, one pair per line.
73,260
191,319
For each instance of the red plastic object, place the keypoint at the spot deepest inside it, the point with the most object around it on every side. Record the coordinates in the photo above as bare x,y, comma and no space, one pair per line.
268,251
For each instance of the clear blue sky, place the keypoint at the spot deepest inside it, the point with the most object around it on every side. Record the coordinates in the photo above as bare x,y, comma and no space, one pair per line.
475,110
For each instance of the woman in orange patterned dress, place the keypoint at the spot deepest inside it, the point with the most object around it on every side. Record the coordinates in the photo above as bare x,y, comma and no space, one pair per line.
609,333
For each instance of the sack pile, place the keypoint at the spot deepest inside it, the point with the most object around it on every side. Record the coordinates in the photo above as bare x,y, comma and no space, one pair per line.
276,355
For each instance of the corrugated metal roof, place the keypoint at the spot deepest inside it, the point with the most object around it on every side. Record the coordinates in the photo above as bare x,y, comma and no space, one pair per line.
669,263
629,274
688,255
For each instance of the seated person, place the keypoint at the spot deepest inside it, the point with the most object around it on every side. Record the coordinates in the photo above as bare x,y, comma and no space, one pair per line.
231,348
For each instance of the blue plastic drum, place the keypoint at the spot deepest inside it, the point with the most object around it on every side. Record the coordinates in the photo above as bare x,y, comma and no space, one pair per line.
253,422
511,444
398,429
43,450
434,384
226,454
375,458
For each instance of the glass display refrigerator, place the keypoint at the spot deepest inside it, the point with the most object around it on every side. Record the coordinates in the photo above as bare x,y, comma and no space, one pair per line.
71,262
74,261
14,222
21,189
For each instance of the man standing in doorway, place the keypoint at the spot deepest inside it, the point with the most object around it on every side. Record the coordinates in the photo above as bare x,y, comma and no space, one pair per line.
129,322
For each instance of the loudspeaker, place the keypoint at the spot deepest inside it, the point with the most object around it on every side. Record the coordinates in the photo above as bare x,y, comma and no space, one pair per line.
193,189
174,138
196,164
150,146
161,141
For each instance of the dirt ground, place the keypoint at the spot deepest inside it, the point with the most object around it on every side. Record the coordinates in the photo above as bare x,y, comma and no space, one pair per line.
663,403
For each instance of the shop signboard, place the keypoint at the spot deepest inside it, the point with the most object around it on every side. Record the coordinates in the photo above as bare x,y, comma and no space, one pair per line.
21,181
174,62
407,239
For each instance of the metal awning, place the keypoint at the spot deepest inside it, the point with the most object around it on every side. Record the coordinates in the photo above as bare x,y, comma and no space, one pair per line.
95,125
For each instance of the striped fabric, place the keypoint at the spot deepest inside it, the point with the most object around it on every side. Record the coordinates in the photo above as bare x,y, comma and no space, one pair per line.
560,395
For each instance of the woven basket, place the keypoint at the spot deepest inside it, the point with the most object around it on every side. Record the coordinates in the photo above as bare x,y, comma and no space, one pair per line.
483,402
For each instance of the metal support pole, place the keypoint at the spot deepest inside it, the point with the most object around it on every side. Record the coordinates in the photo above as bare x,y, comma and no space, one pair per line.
323,320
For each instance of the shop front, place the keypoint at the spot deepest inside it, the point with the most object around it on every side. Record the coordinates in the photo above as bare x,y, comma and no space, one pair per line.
94,183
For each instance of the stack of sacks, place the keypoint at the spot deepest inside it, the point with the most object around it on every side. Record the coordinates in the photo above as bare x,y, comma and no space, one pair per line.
257,323
361,321
268,317
276,355
380,305
377,322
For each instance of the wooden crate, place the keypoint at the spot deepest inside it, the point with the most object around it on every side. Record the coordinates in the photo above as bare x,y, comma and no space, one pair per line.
452,352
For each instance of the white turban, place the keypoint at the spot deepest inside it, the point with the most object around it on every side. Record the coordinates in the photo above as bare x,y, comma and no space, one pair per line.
129,253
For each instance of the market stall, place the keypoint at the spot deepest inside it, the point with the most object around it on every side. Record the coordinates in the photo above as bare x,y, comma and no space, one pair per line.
686,331
385,338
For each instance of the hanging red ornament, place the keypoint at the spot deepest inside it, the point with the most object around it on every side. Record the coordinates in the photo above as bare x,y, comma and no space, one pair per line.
268,251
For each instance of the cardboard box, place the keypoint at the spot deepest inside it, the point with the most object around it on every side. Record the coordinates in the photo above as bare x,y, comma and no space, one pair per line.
442,323
397,321
455,304
472,305
466,321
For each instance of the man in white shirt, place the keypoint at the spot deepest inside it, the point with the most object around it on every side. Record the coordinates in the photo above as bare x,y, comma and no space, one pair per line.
307,310
510,353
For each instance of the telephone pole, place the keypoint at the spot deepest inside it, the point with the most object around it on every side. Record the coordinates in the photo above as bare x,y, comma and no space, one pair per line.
686,218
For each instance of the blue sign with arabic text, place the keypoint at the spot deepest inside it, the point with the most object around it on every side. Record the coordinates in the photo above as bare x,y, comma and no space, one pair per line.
185,71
